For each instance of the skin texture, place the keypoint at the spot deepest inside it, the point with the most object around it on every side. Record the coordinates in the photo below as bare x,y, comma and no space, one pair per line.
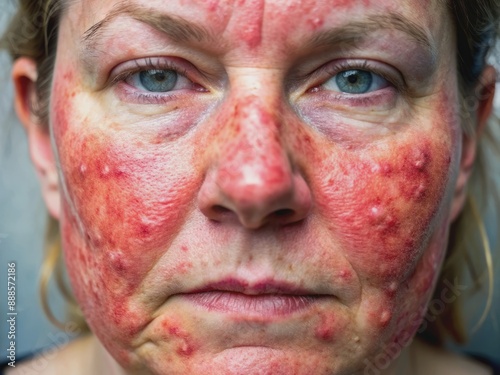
255,178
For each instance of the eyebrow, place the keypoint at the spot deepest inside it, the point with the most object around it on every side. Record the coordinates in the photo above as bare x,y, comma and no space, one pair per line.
182,31
354,32
177,28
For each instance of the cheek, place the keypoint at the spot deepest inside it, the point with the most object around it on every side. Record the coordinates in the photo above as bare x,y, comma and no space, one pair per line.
124,202
381,208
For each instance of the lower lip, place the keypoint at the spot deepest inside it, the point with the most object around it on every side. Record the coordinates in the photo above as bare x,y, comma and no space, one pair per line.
262,305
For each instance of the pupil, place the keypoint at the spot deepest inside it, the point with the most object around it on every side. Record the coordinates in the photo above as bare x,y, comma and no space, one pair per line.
160,76
352,78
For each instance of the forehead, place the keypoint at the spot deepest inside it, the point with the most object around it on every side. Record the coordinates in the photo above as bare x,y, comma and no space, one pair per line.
259,23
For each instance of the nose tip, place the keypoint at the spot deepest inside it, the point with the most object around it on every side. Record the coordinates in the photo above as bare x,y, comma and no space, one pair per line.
280,198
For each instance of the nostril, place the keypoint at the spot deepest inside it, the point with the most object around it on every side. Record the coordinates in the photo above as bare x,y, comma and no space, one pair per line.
284,212
218,209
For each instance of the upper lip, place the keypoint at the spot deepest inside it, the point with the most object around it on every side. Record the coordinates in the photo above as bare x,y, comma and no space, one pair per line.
266,286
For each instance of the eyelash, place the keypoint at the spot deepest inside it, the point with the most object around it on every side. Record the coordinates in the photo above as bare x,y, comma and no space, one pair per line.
333,69
150,64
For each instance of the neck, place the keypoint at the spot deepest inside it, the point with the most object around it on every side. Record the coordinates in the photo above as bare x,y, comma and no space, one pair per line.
103,362
405,363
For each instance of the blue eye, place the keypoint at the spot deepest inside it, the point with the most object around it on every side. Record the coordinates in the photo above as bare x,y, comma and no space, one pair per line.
356,81
156,80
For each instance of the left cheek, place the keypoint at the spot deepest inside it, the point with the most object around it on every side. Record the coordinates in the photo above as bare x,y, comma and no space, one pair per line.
383,209
387,214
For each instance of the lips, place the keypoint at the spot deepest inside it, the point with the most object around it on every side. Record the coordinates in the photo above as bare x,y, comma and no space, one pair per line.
264,299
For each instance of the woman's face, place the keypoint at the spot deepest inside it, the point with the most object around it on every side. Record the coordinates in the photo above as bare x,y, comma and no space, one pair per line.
253,187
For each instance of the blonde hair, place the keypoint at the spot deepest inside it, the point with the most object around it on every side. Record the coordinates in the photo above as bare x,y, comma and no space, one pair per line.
33,33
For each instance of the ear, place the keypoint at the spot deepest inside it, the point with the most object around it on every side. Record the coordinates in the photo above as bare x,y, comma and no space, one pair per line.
484,92
24,76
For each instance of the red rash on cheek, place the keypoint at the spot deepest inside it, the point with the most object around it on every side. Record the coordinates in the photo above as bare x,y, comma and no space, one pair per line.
390,199
126,203
123,206
62,106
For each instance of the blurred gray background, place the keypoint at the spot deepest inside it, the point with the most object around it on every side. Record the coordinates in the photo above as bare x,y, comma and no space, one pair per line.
22,222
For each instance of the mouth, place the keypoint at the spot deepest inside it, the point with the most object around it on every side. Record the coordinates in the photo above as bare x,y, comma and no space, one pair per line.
263,300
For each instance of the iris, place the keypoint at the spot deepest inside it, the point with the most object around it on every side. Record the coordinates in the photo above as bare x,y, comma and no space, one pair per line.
158,80
354,81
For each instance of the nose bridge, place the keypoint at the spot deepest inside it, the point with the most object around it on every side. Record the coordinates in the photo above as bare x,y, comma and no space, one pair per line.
256,156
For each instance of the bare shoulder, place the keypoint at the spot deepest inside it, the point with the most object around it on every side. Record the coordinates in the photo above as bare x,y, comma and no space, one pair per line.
433,360
58,361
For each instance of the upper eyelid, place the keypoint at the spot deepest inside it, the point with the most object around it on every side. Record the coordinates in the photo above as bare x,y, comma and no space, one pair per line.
150,63
333,69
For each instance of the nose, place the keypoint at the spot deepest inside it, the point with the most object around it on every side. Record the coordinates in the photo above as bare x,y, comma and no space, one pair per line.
252,179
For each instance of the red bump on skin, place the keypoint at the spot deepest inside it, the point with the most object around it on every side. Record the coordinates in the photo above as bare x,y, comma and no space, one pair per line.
384,168
390,291
183,267
386,223
131,197
345,275
185,346
385,318
326,328
250,31
315,23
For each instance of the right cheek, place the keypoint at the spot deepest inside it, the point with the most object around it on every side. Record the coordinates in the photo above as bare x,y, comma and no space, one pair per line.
122,207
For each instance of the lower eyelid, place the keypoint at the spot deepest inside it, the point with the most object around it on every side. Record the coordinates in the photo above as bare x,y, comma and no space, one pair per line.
129,94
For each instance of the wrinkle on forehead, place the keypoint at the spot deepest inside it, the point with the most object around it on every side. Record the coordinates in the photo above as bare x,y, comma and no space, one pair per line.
249,15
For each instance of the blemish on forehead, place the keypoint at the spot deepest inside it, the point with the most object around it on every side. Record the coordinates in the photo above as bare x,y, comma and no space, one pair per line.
315,23
251,29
